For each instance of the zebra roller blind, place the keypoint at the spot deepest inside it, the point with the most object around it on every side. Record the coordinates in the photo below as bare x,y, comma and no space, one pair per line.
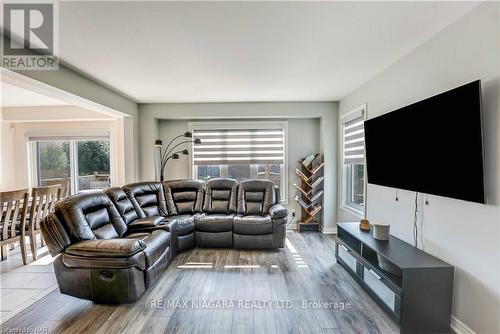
239,147
354,141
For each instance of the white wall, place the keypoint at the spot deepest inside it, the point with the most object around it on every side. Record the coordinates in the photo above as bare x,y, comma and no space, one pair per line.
303,139
325,126
2,156
7,168
465,234
50,114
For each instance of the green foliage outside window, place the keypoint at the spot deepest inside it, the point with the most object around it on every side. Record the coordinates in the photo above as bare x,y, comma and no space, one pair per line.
93,157
54,156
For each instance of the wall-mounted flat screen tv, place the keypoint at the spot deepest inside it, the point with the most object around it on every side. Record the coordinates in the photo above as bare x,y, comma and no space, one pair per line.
433,146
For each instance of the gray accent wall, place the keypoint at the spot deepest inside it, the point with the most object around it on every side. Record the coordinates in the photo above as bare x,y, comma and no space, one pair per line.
312,124
467,235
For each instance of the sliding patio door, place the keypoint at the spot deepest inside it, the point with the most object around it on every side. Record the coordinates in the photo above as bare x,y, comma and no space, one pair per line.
79,164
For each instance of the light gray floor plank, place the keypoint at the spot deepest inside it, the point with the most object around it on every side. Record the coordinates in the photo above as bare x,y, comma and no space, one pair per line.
222,319
263,317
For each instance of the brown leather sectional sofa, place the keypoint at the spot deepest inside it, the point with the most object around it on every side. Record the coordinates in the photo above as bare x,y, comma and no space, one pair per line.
110,246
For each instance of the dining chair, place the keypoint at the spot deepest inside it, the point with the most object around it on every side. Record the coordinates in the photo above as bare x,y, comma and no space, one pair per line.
13,205
43,200
63,182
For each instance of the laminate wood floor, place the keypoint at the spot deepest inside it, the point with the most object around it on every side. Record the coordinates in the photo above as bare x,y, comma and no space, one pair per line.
228,291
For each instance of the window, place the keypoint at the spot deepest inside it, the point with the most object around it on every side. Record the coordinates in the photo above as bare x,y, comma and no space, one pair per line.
53,162
355,188
270,172
353,159
239,172
206,172
79,164
240,150
92,164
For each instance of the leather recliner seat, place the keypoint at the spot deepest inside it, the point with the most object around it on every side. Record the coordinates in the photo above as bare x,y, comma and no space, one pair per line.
214,228
144,219
148,201
184,201
110,246
261,220
98,255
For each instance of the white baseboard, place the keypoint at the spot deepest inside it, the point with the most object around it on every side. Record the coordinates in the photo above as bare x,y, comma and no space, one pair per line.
329,230
459,327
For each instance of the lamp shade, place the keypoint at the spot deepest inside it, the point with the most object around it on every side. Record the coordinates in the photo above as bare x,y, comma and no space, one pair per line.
188,134
175,156
185,152
197,141
158,142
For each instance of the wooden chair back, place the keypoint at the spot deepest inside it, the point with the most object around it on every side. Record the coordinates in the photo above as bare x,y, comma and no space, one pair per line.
43,200
62,182
13,206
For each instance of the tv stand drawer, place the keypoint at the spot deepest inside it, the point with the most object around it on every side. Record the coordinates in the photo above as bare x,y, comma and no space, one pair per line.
345,255
376,284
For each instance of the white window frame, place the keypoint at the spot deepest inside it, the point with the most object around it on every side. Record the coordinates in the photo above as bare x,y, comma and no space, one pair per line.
344,203
210,125
73,137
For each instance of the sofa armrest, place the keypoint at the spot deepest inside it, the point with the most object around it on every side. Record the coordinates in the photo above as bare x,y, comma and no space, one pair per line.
106,248
54,234
278,211
146,222
172,227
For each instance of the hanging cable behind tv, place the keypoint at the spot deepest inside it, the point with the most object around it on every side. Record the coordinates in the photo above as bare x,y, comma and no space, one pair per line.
415,221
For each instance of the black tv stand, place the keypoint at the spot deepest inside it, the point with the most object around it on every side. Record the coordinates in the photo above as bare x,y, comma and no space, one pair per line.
419,299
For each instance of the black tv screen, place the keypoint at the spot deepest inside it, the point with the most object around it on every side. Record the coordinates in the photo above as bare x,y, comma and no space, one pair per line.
433,146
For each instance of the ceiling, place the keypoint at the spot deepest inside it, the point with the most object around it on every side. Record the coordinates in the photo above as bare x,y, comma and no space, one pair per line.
243,51
13,96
